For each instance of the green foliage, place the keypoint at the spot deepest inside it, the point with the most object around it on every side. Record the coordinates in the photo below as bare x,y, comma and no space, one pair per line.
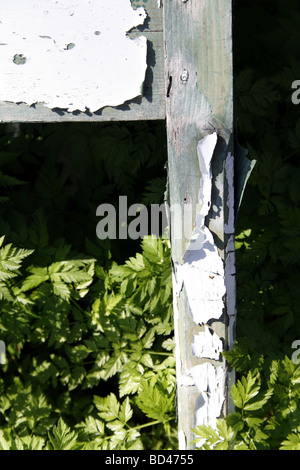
87,324
267,393
265,413
10,262
62,437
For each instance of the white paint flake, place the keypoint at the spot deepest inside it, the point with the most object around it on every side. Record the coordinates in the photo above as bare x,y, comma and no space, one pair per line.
185,380
71,54
202,270
181,440
210,383
202,275
207,344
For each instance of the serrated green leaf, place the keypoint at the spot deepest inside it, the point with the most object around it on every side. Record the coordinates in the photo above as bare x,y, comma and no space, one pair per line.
130,379
125,411
292,442
61,290
148,339
257,405
11,259
94,426
8,181
244,390
62,437
38,276
108,407
155,403
114,364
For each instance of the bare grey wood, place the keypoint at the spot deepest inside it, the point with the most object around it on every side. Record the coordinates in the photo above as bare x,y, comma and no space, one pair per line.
151,105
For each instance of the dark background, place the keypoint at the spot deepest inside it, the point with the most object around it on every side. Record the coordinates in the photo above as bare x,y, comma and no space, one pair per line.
57,175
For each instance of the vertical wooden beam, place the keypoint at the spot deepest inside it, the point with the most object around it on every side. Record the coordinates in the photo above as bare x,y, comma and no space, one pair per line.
198,74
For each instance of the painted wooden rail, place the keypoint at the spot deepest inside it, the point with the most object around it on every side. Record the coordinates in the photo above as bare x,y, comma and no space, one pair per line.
176,64
51,45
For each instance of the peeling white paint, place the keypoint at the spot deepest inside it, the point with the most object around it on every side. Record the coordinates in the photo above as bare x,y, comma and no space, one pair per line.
71,54
185,380
210,383
181,440
204,285
202,275
207,344
202,270
205,152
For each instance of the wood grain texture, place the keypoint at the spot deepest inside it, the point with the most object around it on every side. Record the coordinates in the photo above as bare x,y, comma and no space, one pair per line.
199,70
150,106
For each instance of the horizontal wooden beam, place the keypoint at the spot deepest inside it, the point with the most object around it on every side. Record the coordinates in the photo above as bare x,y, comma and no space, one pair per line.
149,106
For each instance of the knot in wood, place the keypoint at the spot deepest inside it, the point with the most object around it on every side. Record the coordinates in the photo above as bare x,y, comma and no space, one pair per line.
184,76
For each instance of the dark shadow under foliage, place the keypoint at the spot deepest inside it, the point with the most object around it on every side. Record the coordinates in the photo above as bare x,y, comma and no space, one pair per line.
266,63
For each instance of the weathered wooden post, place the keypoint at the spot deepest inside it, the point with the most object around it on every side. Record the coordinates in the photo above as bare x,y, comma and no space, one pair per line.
100,60
198,72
